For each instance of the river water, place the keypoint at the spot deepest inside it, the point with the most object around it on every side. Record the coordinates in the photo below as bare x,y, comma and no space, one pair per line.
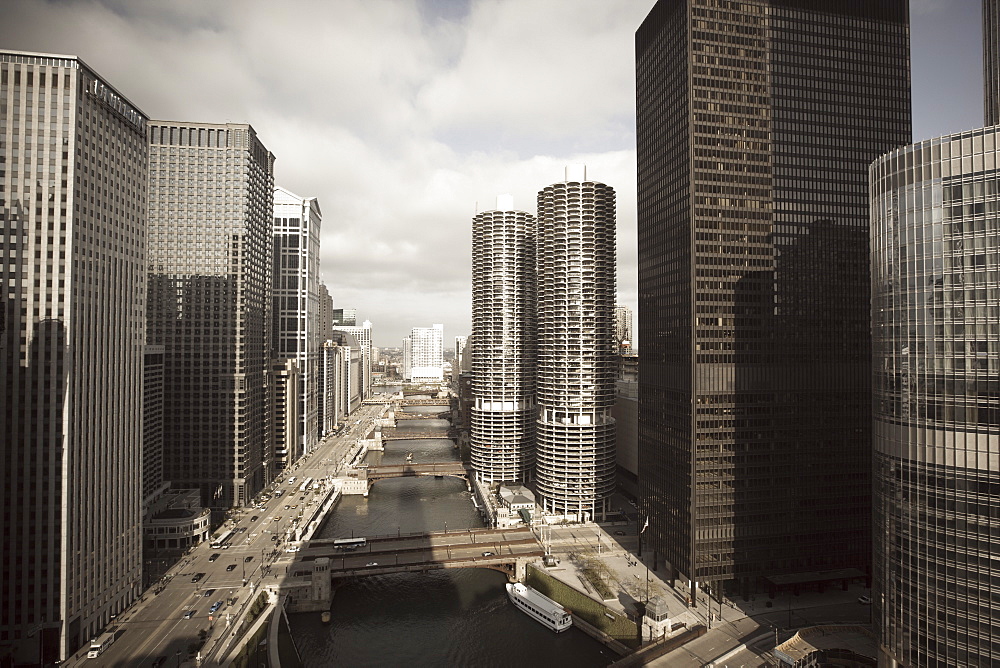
453,617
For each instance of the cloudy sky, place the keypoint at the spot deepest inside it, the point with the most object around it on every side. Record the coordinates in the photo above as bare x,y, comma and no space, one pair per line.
406,116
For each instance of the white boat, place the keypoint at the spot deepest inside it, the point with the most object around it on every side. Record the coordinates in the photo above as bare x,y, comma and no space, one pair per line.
542,608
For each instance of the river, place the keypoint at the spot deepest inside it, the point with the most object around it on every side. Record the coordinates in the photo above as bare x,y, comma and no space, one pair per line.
454,617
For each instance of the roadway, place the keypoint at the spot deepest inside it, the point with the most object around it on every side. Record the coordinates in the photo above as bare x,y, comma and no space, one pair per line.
156,626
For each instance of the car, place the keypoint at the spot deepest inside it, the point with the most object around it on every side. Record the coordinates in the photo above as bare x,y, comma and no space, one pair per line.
230,567
865,600
291,480
189,614
254,518
372,563
247,560
287,507
278,518
619,533
487,554
243,529
215,555
208,592
215,606
295,506
197,577
159,661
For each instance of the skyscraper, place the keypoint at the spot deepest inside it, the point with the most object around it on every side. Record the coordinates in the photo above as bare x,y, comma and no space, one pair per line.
756,124
936,397
991,60
623,328
72,321
575,378
363,336
502,435
296,305
211,205
426,354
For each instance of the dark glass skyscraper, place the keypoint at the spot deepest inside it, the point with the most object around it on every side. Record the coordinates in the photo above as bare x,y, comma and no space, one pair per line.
991,60
936,364
757,122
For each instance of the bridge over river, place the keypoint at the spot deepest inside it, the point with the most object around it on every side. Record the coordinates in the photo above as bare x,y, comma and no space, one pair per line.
505,550
394,435
454,469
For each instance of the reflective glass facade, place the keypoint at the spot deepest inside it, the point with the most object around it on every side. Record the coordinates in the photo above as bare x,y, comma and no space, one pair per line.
756,124
936,386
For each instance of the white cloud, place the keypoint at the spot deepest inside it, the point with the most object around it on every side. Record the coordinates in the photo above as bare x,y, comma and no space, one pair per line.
398,119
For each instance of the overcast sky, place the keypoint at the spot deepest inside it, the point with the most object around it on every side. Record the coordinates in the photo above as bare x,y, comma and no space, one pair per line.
405,117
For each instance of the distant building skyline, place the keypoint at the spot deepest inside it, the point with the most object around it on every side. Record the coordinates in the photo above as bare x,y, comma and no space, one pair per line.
73,166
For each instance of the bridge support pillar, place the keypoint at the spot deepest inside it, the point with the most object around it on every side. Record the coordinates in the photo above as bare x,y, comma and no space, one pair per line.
520,570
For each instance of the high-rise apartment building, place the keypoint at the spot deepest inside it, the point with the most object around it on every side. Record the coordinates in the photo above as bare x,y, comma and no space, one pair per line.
460,354
285,406
575,377
502,433
363,335
624,340
296,305
756,124
211,205
991,60
936,400
72,325
426,361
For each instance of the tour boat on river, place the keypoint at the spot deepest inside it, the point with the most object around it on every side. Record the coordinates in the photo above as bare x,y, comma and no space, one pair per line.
540,607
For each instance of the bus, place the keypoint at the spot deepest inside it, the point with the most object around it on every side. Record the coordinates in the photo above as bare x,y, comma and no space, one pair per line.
98,645
349,543
306,485
223,539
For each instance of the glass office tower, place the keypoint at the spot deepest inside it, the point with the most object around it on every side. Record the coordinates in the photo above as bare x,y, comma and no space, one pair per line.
936,385
756,124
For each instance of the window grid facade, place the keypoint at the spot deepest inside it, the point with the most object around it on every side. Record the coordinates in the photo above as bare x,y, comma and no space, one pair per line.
502,434
575,378
991,60
211,206
936,397
72,320
756,124
295,309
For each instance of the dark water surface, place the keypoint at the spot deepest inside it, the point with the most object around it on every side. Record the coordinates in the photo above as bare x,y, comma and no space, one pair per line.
454,617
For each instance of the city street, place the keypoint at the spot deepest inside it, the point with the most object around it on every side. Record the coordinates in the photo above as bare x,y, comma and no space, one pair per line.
156,626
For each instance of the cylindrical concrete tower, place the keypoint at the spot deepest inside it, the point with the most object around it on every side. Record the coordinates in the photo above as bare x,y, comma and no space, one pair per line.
575,444
503,355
